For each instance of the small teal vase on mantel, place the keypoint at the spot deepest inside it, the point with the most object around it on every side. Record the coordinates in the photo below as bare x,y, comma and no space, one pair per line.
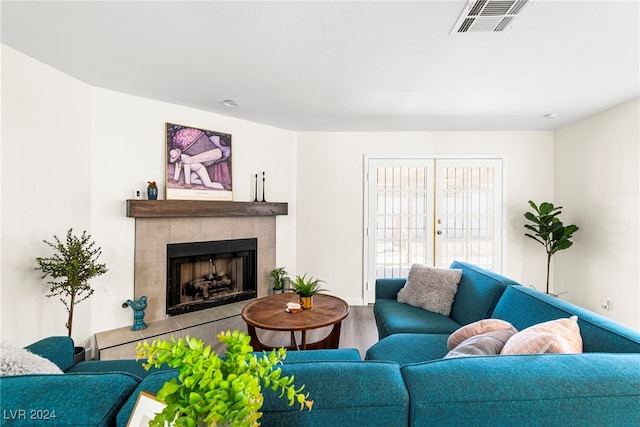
152,191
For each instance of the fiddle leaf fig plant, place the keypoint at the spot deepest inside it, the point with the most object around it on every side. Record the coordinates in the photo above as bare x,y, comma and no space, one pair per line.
212,390
548,230
73,264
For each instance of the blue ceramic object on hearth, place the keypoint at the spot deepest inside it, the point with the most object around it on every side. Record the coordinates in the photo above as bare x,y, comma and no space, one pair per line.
138,311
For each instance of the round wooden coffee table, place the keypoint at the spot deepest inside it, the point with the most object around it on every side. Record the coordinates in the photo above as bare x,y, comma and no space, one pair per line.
270,313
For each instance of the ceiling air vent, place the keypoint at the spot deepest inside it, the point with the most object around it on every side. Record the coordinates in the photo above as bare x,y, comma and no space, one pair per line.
489,16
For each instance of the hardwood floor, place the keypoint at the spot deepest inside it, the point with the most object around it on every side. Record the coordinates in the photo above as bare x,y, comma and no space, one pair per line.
358,331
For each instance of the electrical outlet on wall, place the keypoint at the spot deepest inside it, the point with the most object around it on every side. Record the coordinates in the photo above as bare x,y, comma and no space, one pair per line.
606,304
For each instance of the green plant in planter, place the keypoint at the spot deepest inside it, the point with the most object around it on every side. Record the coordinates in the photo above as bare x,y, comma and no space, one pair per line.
213,390
548,230
279,276
75,262
307,287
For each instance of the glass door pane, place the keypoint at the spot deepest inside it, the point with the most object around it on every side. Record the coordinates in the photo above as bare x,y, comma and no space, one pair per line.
400,217
469,212
430,211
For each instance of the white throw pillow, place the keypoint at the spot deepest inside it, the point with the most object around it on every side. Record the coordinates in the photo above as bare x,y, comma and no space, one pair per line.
431,288
16,360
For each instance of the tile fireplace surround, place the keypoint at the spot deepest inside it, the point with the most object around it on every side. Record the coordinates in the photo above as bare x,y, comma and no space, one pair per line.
161,222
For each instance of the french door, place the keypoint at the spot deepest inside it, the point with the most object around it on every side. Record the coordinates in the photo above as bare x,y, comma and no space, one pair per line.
431,211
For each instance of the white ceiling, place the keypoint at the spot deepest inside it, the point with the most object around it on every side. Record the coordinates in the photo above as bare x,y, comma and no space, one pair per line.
344,66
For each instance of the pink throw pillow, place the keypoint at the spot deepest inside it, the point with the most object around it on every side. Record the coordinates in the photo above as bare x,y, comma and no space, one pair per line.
556,336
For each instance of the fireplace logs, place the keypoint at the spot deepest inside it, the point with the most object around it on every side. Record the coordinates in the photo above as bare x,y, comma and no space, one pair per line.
206,274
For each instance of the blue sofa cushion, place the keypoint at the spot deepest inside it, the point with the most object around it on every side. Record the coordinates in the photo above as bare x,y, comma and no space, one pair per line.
153,382
130,366
74,399
325,355
409,348
478,293
543,390
345,394
524,307
388,288
57,349
393,317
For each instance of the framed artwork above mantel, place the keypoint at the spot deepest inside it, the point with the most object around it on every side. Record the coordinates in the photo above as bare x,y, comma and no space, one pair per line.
198,164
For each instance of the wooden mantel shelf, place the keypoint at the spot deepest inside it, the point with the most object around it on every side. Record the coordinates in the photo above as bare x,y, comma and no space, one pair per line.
197,208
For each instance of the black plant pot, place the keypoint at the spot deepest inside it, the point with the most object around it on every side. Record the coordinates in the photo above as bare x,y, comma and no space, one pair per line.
79,355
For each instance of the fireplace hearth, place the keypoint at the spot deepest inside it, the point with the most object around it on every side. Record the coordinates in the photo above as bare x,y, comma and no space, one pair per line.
201,275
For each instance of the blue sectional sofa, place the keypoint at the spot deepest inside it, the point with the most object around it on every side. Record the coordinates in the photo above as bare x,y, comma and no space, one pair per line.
478,293
75,398
599,387
346,390
404,382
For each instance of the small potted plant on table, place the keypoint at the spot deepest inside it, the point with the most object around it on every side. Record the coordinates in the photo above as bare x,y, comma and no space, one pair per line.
279,276
307,288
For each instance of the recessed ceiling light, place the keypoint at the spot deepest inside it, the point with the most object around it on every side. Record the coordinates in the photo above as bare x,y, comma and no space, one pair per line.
230,103
550,116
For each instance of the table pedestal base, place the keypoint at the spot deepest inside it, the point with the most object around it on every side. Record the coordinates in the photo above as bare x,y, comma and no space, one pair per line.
330,341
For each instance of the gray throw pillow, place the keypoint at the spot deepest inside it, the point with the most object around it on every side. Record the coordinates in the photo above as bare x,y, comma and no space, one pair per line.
430,288
489,343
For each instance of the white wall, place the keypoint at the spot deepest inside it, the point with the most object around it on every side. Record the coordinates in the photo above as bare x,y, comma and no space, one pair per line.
331,196
46,188
82,152
597,181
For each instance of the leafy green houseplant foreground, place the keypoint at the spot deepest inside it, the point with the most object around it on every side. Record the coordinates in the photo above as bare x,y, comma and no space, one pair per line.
213,390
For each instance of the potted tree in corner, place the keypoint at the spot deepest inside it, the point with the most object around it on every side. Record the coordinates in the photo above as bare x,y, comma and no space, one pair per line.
307,288
73,264
548,230
279,277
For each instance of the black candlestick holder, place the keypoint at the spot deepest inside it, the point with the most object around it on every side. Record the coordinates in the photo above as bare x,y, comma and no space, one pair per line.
256,192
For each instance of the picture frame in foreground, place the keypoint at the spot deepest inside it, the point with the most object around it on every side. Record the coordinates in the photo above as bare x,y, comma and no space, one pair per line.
145,410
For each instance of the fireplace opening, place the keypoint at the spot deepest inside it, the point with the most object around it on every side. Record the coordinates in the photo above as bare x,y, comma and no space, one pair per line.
207,274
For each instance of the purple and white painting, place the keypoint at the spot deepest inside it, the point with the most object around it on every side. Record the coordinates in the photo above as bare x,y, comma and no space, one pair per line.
198,164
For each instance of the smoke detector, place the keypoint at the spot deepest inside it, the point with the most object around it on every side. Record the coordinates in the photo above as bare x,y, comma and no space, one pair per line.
489,16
